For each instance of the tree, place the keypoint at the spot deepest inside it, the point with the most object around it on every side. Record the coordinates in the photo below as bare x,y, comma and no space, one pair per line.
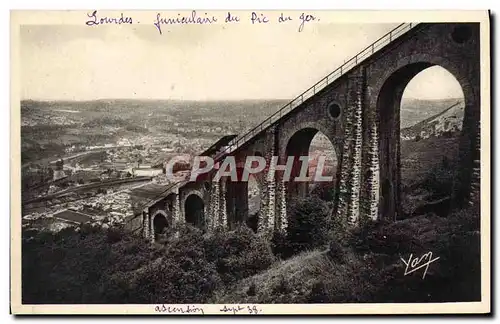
308,224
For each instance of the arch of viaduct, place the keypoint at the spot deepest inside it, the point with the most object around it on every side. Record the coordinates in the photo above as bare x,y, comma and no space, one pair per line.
363,127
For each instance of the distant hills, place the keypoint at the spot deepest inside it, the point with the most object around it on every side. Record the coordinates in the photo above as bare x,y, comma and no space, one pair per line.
447,116
95,122
247,112
416,110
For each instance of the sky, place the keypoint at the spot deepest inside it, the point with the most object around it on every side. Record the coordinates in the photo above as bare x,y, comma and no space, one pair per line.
193,62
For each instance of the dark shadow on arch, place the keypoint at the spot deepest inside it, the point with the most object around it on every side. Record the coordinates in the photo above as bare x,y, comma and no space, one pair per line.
170,201
236,200
298,146
194,209
254,203
160,224
388,107
389,111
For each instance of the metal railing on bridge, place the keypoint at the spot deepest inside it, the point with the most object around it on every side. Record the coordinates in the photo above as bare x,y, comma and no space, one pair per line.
318,86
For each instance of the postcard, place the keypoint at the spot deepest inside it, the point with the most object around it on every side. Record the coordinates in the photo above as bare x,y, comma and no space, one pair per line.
228,162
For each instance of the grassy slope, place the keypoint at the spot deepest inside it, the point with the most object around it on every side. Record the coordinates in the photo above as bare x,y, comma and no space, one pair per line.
418,158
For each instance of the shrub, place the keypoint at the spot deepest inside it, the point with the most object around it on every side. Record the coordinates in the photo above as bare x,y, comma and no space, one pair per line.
440,178
112,266
324,191
63,268
318,293
468,219
280,245
282,288
179,277
336,252
252,290
308,224
238,254
114,235
384,237
454,277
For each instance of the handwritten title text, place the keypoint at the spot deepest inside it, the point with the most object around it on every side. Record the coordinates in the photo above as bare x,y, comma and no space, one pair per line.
301,19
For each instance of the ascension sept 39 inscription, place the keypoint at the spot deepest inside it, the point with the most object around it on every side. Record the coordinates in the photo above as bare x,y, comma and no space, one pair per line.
195,18
184,310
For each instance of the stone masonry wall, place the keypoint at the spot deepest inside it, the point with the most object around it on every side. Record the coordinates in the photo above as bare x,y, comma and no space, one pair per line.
346,194
266,224
214,209
145,228
370,176
355,103
345,164
281,202
177,209
223,204
351,158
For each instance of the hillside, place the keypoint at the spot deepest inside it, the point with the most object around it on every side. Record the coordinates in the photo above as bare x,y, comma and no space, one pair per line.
447,116
419,158
414,111
429,153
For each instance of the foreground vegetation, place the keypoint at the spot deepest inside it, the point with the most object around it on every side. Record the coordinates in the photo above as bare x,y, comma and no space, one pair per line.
318,260
96,266
363,265
367,267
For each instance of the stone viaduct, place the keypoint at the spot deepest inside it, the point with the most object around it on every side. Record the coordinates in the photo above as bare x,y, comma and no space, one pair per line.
358,108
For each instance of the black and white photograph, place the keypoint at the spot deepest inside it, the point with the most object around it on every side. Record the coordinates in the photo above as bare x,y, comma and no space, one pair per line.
241,162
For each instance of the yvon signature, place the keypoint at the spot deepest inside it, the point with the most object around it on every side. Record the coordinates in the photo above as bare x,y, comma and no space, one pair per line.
414,264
